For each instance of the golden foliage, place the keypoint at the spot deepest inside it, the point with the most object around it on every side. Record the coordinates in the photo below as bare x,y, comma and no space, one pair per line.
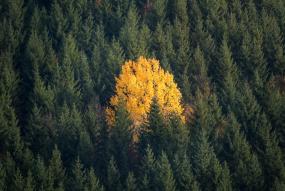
139,82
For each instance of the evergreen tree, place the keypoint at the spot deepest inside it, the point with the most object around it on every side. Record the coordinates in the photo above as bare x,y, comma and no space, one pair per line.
69,129
243,163
165,177
263,141
2,177
129,33
78,177
131,182
203,39
199,73
227,76
85,148
93,182
155,13
162,45
41,175
113,176
120,139
112,65
9,129
180,39
183,174
29,185
206,166
156,134
273,46
178,136
18,181
56,171
148,169
12,17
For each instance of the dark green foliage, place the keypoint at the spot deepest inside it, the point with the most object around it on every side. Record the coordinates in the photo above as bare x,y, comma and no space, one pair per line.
148,170
29,184
56,172
247,172
79,177
165,179
59,61
18,181
156,133
131,182
226,76
113,176
120,140
93,182
183,174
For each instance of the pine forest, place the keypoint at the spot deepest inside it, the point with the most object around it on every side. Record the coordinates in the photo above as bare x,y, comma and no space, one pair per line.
138,95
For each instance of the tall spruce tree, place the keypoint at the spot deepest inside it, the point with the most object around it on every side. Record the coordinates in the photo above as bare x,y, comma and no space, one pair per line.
93,182
183,174
113,176
243,162
56,171
121,140
165,179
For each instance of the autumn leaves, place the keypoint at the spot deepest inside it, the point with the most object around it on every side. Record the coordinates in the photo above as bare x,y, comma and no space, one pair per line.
139,83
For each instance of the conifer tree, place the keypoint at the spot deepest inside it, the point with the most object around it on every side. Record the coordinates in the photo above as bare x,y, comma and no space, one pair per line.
157,13
148,169
243,162
93,182
57,24
112,66
199,72
165,177
18,181
227,76
205,40
56,171
97,60
206,166
180,39
41,175
273,46
178,136
162,45
274,104
38,131
69,128
2,177
113,176
120,139
131,182
29,184
129,33
9,129
156,133
78,177
12,16
263,141
67,89
85,148
183,174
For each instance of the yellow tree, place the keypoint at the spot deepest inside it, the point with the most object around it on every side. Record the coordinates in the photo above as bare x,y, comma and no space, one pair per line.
139,82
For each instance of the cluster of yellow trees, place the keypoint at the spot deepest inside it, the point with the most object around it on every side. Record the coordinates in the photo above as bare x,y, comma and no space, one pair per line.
138,84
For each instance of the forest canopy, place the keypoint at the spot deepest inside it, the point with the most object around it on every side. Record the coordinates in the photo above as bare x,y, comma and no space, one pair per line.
203,81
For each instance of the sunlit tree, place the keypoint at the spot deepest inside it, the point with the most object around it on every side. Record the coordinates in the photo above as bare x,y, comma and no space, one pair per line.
138,84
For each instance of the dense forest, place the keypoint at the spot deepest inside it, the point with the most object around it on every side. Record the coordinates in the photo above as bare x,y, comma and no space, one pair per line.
60,61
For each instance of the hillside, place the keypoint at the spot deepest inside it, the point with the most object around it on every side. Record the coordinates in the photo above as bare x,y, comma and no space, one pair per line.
142,95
